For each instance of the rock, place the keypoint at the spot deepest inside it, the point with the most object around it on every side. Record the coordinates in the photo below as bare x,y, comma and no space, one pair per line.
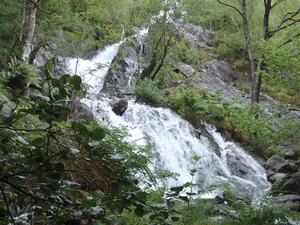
276,177
293,167
276,163
119,77
119,107
6,109
195,33
197,133
237,168
80,111
288,199
293,184
225,72
185,69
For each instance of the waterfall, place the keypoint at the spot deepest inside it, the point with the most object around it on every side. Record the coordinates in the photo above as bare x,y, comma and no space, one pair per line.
174,143
93,71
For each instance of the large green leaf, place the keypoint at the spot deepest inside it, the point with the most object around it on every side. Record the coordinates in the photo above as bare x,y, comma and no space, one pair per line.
139,211
75,81
81,129
98,134
89,202
50,67
38,141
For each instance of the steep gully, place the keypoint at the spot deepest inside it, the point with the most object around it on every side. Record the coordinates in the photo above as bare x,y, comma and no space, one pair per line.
173,140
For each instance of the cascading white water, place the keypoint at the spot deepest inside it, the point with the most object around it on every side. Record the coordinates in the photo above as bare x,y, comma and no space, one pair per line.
174,144
88,71
173,141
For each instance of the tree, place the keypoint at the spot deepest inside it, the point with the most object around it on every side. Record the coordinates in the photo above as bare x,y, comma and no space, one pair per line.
287,20
30,31
61,167
163,34
11,27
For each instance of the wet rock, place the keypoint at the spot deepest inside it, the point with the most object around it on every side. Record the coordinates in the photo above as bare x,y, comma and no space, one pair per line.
286,198
123,68
197,133
293,184
119,107
6,109
237,168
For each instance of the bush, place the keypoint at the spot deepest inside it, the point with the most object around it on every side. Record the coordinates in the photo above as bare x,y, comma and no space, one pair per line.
237,212
147,91
18,74
66,167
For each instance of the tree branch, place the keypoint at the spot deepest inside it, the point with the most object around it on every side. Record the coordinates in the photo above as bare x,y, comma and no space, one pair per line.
39,8
288,17
276,3
7,205
21,189
291,39
231,6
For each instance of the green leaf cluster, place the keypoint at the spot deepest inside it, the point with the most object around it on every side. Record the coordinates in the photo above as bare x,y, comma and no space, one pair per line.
63,166
238,212
18,75
146,90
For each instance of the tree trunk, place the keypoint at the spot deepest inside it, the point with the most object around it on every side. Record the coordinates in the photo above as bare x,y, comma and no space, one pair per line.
247,35
23,22
27,48
254,79
261,64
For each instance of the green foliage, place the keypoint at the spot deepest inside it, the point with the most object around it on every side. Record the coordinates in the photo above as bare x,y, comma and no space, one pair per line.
232,48
187,102
50,163
187,52
283,75
237,212
147,91
18,74
209,15
267,134
10,30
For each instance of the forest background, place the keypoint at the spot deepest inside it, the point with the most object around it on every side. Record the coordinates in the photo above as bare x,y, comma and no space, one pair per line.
42,155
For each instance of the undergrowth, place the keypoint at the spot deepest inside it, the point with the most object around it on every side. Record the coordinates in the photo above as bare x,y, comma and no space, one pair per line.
267,131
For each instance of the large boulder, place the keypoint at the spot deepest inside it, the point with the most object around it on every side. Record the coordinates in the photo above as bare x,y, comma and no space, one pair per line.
124,67
285,176
293,184
80,111
278,164
119,106
225,72
185,69
292,199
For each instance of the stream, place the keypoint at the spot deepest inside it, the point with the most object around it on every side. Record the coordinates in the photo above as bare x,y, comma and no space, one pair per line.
174,143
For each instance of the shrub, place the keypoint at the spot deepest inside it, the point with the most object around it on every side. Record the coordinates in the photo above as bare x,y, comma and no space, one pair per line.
147,91
66,167
18,74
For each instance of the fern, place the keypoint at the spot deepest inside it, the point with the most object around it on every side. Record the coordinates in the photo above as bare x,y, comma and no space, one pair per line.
21,71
